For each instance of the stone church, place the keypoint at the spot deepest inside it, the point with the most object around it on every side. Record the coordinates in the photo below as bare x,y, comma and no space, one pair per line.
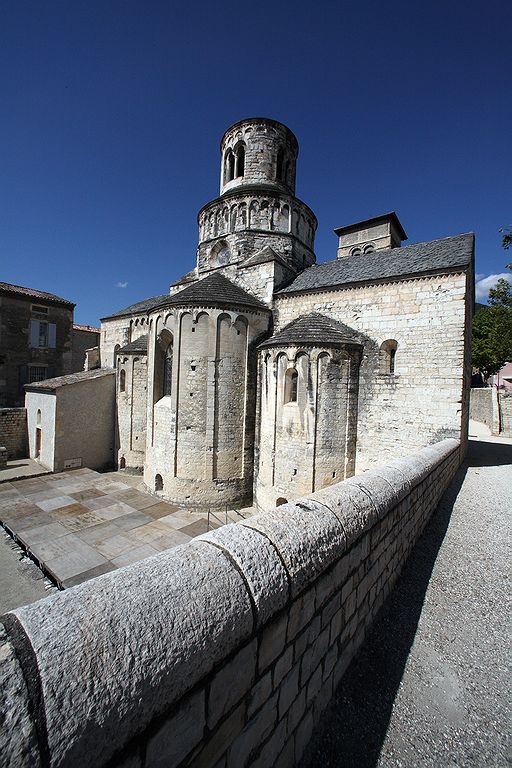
261,376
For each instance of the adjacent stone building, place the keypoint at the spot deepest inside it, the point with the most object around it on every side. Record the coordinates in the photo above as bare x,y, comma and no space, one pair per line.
38,340
36,331
262,376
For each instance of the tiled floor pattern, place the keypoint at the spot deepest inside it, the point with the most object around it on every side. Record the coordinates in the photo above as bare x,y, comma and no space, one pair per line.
81,524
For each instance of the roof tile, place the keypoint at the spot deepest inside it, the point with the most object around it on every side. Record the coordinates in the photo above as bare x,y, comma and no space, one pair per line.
419,258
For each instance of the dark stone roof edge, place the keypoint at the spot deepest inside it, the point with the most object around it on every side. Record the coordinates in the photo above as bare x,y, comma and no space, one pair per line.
309,344
29,296
373,220
213,304
96,373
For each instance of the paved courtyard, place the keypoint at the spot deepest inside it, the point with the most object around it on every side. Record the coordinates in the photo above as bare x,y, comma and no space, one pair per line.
80,524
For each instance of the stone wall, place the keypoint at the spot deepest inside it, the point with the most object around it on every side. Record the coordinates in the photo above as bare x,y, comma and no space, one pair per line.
480,406
506,414
131,412
234,229
72,425
21,359
492,408
309,442
41,410
200,437
223,652
13,432
426,398
82,341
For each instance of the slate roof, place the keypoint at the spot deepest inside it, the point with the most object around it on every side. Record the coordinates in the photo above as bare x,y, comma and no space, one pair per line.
215,289
140,345
211,290
313,330
139,308
410,260
70,378
33,293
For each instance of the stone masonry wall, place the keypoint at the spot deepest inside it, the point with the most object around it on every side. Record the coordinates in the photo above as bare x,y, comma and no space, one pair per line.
223,652
426,398
13,432
480,406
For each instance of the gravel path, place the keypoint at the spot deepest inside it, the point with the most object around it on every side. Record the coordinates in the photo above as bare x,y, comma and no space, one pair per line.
430,686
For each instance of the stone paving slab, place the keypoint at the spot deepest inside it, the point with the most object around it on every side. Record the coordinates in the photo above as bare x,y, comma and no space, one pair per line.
79,524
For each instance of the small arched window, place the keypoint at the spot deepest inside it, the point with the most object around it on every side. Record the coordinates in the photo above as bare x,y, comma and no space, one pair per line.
369,248
116,350
355,252
388,350
159,483
122,380
239,161
290,385
229,172
167,377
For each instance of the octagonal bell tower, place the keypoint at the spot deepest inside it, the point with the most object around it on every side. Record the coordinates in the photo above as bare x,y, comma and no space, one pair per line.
257,208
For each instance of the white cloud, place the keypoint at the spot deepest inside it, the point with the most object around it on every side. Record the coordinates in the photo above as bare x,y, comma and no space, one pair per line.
121,285
484,284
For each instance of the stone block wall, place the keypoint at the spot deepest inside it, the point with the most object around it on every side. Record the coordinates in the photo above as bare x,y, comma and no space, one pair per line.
506,414
13,432
492,408
426,398
480,406
223,652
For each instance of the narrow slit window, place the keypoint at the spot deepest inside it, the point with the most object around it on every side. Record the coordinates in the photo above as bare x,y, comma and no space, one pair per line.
240,161
290,385
167,379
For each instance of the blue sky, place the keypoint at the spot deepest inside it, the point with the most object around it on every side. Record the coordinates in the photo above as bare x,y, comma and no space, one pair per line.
113,112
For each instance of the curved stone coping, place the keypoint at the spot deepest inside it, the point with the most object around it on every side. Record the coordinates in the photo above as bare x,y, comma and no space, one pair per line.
116,652
260,563
360,501
113,654
307,536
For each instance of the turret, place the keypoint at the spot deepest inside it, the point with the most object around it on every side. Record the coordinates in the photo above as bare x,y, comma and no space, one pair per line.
258,151
257,208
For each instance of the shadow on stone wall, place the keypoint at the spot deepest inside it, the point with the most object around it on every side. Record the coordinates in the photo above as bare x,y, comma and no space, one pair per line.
355,724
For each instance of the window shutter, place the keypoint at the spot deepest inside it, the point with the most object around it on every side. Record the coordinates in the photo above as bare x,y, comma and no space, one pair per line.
34,333
52,335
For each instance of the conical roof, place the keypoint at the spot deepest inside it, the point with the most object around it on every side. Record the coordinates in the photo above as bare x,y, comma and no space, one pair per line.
314,330
215,289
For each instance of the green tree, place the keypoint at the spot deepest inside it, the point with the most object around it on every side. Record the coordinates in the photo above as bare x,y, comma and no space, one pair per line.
492,330
506,240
